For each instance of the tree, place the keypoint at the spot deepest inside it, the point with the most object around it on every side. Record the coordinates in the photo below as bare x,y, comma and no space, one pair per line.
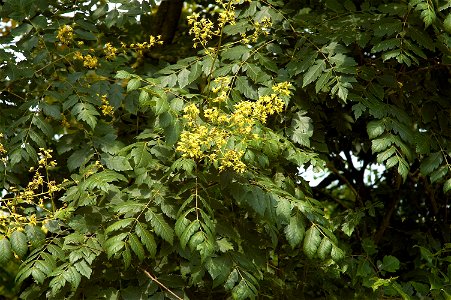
144,166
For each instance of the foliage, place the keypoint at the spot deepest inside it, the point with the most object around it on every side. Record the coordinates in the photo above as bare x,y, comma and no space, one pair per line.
133,167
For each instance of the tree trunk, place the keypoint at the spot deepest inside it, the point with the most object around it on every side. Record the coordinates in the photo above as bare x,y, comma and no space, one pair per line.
167,19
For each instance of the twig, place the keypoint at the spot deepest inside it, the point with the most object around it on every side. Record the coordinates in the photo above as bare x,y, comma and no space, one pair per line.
346,182
160,284
386,221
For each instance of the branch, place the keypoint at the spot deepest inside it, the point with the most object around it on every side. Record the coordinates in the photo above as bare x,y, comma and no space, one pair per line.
160,284
386,220
346,181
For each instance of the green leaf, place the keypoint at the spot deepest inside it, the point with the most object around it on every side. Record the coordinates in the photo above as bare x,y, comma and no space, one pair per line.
337,254
383,156
301,129
314,72
188,232
447,23
117,163
57,283
231,280
169,81
375,128
195,72
114,244
295,230
389,264
312,241
403,168
219,269
183,78
387,45
431,163
205,248
121,74
351,221
161,105
323,81
85,35
144,98
235,53
136,246
160,226
83,268
224,245
72,276
324,248
35,235
56,251
42,125
283,208
380,282
127,256
19,243
102,180
257,74
439,173
119,225
133,84
243,86
141,155
86,112
243,290
38,275
447,186
391,162
147,239
364,269
335,5
380,144
45,266
6,253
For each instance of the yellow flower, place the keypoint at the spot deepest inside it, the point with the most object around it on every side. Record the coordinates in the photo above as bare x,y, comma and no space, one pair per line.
283,88
78,55
65,34
232,160
110,51
107,109
191,113
90,61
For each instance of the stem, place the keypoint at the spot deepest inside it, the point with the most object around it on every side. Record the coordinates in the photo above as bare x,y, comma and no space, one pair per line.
160,284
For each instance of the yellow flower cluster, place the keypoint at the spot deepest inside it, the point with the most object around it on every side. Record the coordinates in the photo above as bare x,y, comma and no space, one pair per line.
39,193
89,61
232,160
140,47
221,86
110,51
283,88
204,30
191,114
38,182
65,34
107,109
2,150
206,138
261,27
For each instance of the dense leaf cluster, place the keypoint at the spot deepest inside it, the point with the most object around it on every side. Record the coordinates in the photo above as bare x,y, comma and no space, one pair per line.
117,212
